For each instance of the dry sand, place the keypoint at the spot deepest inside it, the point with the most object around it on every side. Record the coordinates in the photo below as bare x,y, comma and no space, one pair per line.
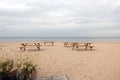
102,63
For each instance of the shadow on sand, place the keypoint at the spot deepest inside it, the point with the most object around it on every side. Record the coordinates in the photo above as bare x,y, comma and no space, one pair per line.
85,50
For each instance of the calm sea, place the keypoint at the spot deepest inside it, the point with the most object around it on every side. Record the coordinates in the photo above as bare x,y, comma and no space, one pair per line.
80,39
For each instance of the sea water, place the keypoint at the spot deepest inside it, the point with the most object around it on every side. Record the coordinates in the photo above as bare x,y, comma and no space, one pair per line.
62,39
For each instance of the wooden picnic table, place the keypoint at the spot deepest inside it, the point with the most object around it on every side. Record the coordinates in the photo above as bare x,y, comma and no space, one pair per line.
48,42
24,45
85,45
66,44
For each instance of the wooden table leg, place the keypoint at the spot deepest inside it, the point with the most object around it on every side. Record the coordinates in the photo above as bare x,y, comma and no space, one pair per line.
52,43
24,48
91,47
38,47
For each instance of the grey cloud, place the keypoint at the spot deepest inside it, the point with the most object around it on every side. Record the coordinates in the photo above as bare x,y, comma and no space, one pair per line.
74,16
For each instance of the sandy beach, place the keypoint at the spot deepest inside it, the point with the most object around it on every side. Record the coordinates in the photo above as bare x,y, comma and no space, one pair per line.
101,63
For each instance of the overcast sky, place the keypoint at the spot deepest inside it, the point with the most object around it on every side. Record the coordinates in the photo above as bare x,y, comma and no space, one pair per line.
59,18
